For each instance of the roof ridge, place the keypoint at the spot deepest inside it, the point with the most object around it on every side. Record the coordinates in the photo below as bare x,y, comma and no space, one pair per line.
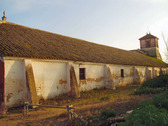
22,41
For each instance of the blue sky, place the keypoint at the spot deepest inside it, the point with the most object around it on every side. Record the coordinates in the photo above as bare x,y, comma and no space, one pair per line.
117,23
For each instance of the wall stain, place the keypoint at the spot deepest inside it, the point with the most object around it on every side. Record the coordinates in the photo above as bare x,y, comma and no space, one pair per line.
20,90
62,81
94,79
9,96
83,82
116,76
131,73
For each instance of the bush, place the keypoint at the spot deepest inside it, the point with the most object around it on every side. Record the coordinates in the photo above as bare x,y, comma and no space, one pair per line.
158,82
147,115
106,114
161,101
150,113
147,90
145,103
153,86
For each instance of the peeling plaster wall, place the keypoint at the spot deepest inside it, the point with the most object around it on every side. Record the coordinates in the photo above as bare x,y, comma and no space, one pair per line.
164,70
155,72
15,83
51,78
94,77
139,74
116,75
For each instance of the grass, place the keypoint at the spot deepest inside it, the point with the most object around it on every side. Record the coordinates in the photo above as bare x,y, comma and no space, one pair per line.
103,95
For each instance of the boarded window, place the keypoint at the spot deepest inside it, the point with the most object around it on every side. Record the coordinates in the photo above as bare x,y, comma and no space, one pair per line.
122,72
82,74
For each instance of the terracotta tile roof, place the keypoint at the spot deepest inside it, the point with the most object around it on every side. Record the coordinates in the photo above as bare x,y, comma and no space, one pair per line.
20,41
148,36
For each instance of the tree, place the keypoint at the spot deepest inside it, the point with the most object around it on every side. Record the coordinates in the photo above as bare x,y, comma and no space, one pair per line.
165,39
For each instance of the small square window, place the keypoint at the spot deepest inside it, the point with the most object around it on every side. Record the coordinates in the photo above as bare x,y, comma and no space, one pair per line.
82,74
122,72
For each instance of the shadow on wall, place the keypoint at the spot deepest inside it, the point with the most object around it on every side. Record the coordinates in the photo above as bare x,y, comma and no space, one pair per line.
110,83
14,83
136,76
55,88
154,73
147,74
161,71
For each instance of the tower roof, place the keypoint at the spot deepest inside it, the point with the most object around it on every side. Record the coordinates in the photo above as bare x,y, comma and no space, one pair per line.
148,36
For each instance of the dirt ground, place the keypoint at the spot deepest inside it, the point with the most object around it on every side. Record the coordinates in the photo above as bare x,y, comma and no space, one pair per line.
88,107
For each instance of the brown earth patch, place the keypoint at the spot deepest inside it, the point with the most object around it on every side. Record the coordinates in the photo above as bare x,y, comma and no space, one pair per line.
88,106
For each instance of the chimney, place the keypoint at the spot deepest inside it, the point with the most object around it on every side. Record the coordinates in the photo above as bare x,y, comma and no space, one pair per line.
4,18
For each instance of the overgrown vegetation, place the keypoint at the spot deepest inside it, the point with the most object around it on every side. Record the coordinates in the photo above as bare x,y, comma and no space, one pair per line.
150,113
158,82
107,113
154,86
154,112
146,90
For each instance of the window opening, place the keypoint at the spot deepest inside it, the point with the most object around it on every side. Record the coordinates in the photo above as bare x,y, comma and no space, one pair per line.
82,74
122,72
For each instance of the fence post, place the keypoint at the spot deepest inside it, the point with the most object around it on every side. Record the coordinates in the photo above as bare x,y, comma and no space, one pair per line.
69,108
68,112
26,107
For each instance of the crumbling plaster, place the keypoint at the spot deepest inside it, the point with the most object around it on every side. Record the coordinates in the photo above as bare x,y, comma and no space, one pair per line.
52,77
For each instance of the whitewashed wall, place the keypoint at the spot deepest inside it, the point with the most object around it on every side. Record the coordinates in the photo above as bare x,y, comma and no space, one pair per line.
15,83
94,77
141,74
51,78
116,75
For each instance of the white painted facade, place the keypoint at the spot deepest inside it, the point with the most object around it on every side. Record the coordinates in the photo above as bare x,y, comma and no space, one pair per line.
15,82
52,77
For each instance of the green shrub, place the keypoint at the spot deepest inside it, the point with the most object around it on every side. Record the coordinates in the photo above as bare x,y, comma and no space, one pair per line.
148,115
154,86
106,114
105,98
147,90
145,103
158,82
161,101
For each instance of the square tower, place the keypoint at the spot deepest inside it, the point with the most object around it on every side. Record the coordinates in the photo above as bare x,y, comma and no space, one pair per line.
149,45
